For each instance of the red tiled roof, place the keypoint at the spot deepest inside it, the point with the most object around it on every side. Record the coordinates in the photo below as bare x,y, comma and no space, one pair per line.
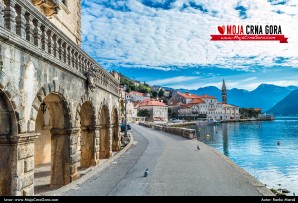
152,103
176,104
197,101
137,93
185,106
188,95
205,96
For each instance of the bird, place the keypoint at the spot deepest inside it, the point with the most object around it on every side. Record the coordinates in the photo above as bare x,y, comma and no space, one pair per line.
198,147
146,172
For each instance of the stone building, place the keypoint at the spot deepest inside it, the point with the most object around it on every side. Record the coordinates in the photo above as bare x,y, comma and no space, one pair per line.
65,14
184,98
208,107
134,96
59,109
158,110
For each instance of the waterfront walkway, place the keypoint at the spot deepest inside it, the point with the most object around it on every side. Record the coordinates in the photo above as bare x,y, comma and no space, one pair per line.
176,167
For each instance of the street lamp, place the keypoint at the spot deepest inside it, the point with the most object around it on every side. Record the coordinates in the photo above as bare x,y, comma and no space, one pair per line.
125,127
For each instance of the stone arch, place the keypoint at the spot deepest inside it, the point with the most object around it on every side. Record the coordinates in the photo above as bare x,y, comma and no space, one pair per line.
8,145
55,151
47,89
115,130
8,88
86,143
83,100
105,149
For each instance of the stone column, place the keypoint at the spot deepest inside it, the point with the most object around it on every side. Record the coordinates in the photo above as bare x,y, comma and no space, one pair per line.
105,149
20,23
1,13
72,58
64,156
116,144
37,33
59,48
44,38
97,144
50,42
67,56
63,52
109,149
17,161
29,28
10,16
88,156
55,48
79,63
76,63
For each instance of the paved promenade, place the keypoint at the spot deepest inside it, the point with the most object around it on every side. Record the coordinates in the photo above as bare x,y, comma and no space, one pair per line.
175,166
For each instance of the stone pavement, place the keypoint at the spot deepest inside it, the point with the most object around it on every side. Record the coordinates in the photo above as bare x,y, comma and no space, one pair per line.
176,168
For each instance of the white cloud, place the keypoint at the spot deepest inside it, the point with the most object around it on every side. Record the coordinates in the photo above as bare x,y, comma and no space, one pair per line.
173,80
149,37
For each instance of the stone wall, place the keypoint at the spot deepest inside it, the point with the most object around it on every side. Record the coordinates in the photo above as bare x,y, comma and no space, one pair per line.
67,19
41,66
184,132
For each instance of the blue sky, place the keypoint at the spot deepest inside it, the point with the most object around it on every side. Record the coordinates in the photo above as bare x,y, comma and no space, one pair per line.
167,42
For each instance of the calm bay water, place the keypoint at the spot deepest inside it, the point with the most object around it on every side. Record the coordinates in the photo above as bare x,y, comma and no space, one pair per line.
253,146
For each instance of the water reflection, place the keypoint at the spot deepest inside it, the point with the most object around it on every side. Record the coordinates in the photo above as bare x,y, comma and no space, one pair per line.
253,146
225,139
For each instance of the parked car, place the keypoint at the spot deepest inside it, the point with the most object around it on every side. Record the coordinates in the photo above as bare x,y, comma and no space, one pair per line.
123,127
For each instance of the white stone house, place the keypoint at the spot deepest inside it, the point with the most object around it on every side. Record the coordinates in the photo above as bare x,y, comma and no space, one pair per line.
208,107
158,110
134,96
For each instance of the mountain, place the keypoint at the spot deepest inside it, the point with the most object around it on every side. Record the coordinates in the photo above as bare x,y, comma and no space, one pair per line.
287,106
264,96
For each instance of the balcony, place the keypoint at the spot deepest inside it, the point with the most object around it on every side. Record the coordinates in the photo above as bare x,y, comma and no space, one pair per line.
22,25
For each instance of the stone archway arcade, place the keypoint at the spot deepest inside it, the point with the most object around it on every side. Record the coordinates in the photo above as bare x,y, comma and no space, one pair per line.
54,144
39,64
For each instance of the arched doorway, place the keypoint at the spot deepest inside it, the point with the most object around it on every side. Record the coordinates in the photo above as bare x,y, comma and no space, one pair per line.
52,148
8,151
115,131
87,137
105,150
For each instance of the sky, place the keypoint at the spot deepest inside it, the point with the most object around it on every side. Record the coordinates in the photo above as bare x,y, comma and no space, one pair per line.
167,42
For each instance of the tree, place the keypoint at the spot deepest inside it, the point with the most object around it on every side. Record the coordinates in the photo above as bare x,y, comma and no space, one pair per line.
154,94
143,89
248,113
160,93
144,113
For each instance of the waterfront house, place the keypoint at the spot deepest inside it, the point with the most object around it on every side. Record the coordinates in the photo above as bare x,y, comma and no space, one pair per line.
158,110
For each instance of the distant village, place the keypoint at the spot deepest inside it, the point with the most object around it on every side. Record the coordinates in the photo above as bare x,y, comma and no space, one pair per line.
158,104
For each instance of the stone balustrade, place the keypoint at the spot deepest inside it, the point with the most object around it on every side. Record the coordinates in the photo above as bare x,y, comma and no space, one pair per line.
24,26
184,132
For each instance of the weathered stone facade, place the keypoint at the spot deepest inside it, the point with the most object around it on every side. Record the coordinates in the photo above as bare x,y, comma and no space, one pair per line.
48,113
66,15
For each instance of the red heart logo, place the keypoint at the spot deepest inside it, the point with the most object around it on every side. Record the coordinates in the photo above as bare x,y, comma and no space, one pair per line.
221,29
